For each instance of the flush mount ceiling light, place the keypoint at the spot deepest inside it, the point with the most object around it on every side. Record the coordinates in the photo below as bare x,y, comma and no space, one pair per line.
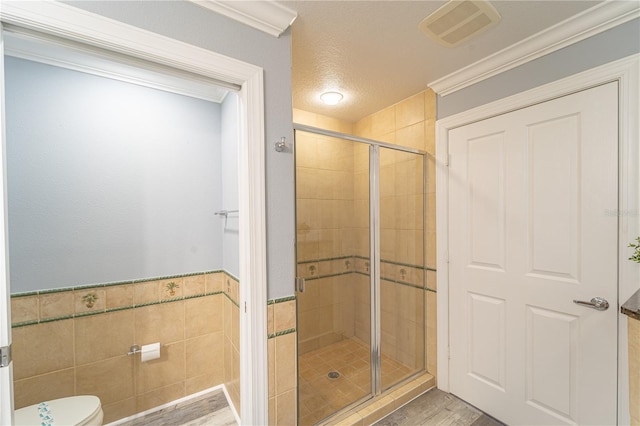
459,20
331,98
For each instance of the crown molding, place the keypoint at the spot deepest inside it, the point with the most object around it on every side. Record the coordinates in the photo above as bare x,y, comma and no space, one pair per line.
592,21
267,16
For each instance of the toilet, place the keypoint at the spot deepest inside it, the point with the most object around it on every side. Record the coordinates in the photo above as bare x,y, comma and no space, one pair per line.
83,410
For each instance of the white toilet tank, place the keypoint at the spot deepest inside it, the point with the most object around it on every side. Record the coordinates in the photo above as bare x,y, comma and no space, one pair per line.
83,410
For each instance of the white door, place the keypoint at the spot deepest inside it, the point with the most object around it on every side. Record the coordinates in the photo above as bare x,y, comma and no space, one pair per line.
532,228
6,373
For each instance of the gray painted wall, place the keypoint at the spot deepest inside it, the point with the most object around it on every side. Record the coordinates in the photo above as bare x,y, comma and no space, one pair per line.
192,24
616,43
229,169
108,181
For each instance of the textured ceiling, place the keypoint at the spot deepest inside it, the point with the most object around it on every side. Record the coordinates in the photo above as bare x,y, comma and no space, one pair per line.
374,53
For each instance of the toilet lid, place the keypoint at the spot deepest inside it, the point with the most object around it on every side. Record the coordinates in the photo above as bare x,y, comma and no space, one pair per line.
60,412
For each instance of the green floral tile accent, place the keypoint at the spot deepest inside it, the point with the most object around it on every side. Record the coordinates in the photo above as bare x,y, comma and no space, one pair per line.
84,293
281,333
232,301
30,293
281,300
120,308
22,324
55,290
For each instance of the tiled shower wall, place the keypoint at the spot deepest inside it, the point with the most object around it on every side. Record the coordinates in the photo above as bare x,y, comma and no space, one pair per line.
333,235
64,345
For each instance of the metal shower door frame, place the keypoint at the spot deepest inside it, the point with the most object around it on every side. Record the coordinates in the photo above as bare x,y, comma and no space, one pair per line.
374,235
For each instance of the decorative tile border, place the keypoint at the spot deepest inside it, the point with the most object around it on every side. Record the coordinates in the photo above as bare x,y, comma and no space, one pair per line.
281,300
281,333
43,305
396,272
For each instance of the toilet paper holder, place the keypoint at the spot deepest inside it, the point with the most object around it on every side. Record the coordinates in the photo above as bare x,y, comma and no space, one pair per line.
134,349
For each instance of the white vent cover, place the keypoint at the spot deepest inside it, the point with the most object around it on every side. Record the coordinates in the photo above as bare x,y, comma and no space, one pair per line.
459,20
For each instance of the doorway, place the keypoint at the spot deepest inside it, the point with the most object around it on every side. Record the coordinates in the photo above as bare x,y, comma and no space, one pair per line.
530,249
71,24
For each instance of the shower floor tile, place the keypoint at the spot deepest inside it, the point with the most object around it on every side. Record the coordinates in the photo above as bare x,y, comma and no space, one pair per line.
321,396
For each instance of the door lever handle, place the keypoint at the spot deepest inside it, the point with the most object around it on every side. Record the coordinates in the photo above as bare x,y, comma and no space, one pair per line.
597,303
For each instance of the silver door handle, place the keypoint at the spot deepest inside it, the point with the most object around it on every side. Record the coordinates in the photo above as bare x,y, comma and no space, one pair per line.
597,303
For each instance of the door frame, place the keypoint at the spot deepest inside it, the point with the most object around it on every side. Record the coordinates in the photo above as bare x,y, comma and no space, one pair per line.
60,20
626,72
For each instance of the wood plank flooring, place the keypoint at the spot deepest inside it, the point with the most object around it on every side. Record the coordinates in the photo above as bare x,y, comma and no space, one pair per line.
438,408
210,409
434,408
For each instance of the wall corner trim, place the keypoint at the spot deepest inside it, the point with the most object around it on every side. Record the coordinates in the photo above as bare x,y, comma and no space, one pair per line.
592,21
267,16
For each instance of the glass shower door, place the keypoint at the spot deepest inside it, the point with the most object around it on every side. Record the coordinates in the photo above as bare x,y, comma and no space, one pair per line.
333,249
402,265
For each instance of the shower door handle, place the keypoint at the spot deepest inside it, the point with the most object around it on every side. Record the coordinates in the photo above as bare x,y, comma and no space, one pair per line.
300,284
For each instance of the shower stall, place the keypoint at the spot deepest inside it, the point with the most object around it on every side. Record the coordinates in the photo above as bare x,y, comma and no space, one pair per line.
360,216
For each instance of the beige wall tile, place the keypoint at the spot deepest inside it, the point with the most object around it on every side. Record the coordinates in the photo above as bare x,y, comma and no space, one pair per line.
55,305
270,319
34,390
411,136
272,410
410,111
286,408
304,117
285,315
110,380
145,292
383,122
204,381
29,343
167,370
429,104
160,396
285,352
203,355
213,282
103,336
194,285
432,281
119,410
271,359
430,136
364,127
333,124
118,296
24,309
162,323
203,315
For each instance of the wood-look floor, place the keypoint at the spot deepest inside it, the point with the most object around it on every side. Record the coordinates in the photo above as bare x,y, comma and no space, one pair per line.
209,409
438,408
435,408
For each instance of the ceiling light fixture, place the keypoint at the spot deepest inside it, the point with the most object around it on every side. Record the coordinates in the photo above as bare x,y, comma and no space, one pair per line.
331,98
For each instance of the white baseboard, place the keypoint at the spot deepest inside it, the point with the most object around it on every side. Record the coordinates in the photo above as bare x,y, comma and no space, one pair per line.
179,401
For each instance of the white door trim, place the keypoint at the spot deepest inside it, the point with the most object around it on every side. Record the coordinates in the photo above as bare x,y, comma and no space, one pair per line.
61,20
626,72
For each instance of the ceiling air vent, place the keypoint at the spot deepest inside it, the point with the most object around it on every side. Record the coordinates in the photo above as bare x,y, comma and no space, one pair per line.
459,20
